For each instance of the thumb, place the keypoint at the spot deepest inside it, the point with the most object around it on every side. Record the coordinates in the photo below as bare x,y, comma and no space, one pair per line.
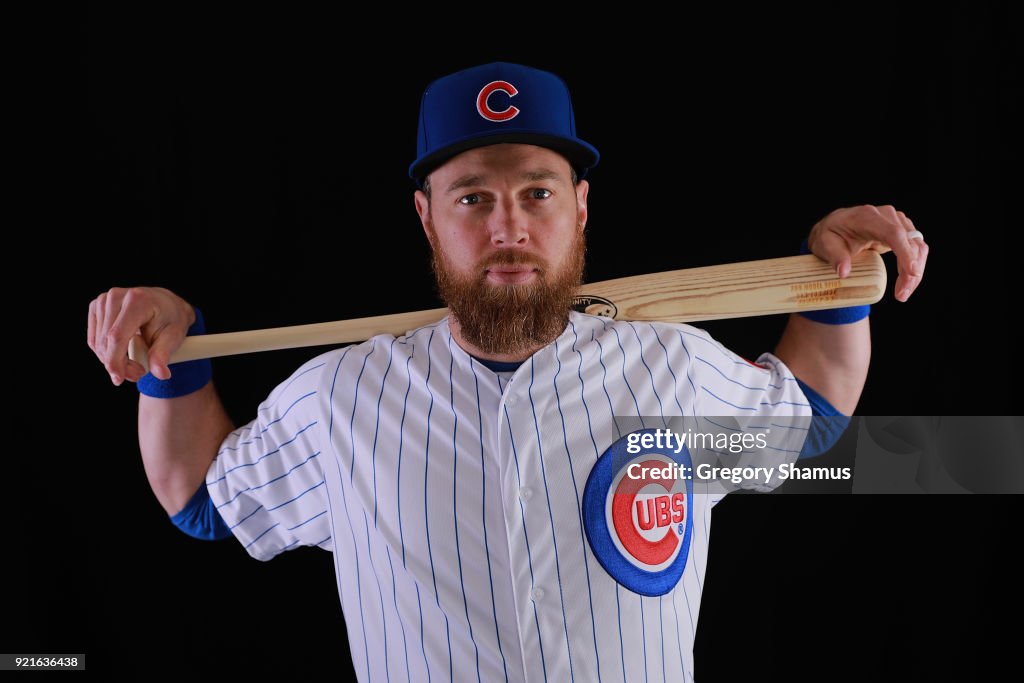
164,343
834,249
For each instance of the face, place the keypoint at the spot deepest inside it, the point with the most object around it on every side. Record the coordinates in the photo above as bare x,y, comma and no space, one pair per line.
506,226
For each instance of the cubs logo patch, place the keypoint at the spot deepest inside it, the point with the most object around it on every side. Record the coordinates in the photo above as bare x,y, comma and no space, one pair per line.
637,514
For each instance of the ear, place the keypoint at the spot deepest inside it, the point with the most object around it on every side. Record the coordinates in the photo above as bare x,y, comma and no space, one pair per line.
423,209
582,189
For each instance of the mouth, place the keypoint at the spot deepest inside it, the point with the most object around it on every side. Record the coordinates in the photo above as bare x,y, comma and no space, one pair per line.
511,274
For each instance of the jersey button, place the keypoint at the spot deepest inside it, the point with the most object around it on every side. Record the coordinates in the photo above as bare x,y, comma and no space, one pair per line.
538,594
526,493
510,401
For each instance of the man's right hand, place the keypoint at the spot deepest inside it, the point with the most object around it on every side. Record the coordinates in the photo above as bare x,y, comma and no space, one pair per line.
160,316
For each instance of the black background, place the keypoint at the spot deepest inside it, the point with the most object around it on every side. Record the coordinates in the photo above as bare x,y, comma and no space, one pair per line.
255,164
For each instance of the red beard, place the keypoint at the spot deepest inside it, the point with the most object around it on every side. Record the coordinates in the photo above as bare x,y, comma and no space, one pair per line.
510,319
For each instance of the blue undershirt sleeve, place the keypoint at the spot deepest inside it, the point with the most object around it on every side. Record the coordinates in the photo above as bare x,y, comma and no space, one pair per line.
200,519
827,424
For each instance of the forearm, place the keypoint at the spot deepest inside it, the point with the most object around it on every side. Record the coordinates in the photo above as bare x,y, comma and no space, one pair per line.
179,438
831,359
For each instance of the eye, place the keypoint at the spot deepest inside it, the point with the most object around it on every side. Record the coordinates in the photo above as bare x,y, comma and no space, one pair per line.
540,193
470,199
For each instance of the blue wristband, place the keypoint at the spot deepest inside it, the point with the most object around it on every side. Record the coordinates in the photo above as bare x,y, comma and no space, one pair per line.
835,316
186,377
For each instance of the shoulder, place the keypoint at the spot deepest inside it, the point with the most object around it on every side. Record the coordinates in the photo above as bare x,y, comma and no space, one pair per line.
340,370
682,344
587,326
380,348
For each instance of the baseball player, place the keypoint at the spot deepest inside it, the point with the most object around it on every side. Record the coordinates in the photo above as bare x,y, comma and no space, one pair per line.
472,478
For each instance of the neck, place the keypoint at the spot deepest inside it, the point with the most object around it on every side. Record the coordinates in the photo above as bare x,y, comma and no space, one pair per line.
473,350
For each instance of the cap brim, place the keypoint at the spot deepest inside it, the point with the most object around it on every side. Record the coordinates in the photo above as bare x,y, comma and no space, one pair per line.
581,155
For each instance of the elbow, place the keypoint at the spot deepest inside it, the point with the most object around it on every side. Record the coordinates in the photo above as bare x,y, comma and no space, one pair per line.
174,492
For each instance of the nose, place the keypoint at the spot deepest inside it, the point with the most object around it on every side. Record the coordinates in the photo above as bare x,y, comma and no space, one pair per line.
508,225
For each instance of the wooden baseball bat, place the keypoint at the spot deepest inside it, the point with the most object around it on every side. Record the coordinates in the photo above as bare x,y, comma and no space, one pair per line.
734,290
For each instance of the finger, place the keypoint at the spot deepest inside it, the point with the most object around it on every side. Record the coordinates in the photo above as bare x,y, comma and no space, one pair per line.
910,276
834,248
111,307
889,213
922,257
893,233
133,371
101,314
101,333
90,334
916,243
906,283
133,314
872,227
905,286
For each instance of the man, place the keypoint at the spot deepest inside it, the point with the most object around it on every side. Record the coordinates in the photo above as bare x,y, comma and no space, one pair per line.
470,476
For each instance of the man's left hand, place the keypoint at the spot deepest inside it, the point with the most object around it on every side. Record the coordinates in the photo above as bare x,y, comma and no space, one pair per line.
844,233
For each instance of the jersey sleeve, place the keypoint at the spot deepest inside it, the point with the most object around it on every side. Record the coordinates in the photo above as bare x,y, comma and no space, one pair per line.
266,481
200,519
762,401
827,424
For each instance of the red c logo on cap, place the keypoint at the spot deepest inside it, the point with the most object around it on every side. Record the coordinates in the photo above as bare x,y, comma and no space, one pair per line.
485,110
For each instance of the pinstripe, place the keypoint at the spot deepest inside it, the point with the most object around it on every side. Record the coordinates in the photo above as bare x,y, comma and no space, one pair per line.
280,391
618,435
483,516
295,498
262,534
355,403
455,506
426,512
679,643
257,461
398,468
268,426
394,597
654,388
639,413
643,630
376,429
336,556
380,594
682,412
576,491
664,676
355,546
636,404
689,377
307,521
423,645
551,519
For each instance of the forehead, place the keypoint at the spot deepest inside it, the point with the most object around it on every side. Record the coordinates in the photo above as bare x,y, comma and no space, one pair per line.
505,159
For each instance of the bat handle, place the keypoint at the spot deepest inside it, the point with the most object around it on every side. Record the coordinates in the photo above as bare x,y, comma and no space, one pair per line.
138,351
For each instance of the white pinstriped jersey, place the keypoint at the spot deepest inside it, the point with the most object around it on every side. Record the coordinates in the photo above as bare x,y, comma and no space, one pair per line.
450,496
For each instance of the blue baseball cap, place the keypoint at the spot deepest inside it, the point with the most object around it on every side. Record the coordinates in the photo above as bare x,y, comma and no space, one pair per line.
493,103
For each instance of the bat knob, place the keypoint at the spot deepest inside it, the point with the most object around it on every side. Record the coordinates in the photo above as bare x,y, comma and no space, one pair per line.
138,351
